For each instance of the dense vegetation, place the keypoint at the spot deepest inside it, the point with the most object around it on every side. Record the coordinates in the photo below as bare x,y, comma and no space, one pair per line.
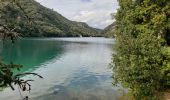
31,19
141,61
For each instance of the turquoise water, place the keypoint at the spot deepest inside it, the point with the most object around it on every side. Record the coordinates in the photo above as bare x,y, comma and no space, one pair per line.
73,68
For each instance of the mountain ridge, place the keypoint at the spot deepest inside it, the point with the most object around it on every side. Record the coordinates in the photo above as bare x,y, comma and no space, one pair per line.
32,19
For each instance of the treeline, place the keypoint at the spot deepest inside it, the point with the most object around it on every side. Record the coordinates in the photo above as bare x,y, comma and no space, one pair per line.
31,19
142,59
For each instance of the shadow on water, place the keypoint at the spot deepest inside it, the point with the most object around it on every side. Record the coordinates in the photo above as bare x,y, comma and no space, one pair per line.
24,51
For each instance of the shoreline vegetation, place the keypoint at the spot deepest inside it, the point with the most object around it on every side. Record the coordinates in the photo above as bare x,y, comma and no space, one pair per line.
142,32
142,59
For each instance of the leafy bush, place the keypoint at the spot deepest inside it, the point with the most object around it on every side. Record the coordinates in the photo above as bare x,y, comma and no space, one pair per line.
142,56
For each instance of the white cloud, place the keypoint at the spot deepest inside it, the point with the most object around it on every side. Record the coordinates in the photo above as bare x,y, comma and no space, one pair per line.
98,19
84,16
96,13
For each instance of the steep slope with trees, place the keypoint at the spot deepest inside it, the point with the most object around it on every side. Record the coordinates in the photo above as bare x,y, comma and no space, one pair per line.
42,21
109,30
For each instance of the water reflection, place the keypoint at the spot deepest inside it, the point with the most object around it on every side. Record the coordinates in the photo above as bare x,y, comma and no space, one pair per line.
31,53
83,86
73,68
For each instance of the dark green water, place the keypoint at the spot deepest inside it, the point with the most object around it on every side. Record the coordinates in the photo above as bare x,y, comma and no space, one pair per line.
73,68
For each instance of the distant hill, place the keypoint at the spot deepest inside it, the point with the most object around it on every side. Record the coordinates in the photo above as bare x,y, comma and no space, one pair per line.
109,31
34,20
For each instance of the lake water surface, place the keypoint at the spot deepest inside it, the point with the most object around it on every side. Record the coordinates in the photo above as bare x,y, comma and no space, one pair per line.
73,68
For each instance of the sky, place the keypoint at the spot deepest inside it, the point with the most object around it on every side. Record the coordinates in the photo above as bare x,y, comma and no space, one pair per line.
96,13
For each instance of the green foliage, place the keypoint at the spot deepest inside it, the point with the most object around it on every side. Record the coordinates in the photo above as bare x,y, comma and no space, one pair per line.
34,20
141,61
8,78
165,70
137,64
6,75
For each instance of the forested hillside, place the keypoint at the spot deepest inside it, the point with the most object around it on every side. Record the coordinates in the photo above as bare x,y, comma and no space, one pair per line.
31,19
109,31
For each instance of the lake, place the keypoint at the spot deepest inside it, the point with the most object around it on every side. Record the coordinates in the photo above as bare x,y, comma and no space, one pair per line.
73,68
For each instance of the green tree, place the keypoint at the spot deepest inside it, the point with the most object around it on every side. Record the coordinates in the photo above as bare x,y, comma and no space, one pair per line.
141,58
